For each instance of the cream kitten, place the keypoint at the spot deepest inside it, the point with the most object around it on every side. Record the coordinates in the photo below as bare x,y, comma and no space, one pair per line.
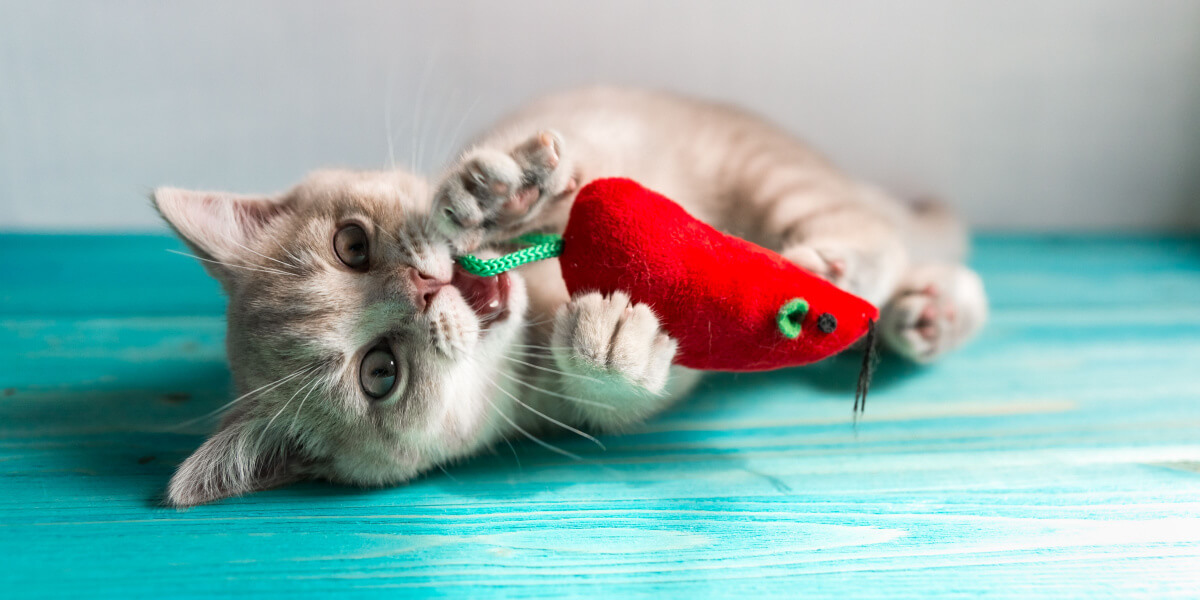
364,356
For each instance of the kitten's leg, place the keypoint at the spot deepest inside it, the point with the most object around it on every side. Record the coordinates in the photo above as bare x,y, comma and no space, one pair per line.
849,243
492,193
616,359
938,307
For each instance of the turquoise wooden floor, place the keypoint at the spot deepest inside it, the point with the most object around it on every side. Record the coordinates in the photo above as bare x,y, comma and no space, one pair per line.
1058,456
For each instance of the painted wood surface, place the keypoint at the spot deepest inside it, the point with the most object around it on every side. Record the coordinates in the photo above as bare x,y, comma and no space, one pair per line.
1058,456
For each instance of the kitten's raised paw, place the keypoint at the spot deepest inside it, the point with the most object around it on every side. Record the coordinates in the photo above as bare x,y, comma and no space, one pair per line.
491,193
615,341
938,308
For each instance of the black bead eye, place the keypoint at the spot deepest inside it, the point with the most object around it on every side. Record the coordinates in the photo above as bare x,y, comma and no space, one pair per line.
827,323
377,373
351,246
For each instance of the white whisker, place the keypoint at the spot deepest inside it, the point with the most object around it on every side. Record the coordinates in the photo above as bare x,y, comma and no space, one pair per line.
541,414
494,384
556,394
415,159
555,371
538,347
299,262
447,473
266,388
225,264
296,418
402,243
387,118
267,427
532,437
539,353
462,121
514,453
439,135
539,322
234,242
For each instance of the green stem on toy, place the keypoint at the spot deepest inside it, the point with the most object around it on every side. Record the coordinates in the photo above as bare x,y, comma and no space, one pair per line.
543,246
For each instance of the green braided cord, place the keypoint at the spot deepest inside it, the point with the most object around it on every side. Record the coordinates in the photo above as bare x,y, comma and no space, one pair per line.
791,317
539,238
545,245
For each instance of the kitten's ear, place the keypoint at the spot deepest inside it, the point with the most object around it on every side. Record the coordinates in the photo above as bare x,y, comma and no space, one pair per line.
234,461
217,225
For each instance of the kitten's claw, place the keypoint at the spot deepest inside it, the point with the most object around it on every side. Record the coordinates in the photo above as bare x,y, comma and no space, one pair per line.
939,307
492,193
614,341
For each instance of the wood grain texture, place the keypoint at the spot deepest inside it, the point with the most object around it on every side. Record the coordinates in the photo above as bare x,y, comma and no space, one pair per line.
1059,456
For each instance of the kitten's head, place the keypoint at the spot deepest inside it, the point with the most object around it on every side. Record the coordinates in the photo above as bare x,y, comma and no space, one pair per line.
360,353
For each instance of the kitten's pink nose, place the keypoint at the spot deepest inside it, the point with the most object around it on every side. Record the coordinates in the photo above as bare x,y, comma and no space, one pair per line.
425,287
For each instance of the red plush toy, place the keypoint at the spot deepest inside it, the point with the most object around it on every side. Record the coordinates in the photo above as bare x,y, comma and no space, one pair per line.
731,305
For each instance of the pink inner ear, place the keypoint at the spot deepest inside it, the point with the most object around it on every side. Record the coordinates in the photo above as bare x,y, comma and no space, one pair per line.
254,215
219,224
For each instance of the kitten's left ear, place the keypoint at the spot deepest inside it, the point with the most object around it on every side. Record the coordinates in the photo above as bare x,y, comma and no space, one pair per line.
220,226
236,460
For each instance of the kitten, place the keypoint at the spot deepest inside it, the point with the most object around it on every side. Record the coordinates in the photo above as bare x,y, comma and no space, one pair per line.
364,355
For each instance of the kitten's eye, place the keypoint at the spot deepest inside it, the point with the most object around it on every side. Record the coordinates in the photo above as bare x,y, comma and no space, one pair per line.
377,374
350,245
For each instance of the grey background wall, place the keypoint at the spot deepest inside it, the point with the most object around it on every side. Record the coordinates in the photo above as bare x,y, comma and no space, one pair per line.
1025,114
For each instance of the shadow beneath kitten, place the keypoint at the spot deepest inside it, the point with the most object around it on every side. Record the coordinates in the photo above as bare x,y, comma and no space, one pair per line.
714,435
840,373
114,442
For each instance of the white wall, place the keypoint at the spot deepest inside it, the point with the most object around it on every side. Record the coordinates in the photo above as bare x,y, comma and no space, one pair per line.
1033,113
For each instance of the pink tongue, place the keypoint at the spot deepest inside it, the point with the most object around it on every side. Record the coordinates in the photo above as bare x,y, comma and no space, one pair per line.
484,294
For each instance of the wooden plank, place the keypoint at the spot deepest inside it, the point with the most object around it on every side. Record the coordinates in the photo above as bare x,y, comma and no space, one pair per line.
1058,456
103,275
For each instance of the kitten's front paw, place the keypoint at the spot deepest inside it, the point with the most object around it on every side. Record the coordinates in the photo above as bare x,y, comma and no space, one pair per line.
491,193
614,341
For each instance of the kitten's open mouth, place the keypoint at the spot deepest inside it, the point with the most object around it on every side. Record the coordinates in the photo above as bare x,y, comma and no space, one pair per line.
487,296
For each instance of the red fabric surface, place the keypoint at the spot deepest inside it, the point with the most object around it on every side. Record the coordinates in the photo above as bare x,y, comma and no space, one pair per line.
717,295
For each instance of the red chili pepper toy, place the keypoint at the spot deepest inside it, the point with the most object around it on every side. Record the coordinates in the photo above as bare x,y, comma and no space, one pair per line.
730,304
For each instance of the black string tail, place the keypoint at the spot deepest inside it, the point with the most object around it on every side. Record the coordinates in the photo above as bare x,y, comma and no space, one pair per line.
870,358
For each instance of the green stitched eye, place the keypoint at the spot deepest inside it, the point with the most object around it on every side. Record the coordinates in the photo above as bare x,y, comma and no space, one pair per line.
791,317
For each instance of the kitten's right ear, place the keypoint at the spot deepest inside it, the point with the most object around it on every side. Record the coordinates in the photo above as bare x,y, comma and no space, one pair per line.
219,226
236,460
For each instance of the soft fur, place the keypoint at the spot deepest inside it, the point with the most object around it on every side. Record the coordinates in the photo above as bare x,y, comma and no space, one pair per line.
300,321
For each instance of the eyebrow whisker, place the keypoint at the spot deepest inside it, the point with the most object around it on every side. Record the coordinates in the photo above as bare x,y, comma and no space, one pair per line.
266,388
231,265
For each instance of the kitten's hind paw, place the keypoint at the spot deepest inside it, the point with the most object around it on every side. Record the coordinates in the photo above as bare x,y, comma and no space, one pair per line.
938,308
